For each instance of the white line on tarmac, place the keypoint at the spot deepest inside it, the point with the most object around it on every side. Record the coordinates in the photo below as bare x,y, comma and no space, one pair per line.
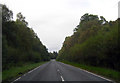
16,80
26,73
90,73
62,78
95,75
60,75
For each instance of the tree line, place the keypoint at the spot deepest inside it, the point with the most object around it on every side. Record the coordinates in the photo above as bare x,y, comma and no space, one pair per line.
53,55
20,44
94,42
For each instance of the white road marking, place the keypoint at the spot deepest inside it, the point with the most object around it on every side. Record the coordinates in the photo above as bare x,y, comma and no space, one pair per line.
30,71
62,78
60,74
34,69
16,80
89,72
26,73
95,75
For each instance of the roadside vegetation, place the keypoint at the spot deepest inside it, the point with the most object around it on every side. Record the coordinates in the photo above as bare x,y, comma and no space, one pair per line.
22,50
20,44
15,72
94,44
105,72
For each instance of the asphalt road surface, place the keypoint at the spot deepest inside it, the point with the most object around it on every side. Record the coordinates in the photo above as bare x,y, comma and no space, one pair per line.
57,71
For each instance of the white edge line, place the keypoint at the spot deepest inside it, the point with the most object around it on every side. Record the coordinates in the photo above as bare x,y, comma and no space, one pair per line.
16,80
96,75
91,73
25,74
62,78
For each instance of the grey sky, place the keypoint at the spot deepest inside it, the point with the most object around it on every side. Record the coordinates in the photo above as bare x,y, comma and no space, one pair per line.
53,20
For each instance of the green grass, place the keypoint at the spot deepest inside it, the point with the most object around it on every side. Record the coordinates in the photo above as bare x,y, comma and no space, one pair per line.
14,72
108,73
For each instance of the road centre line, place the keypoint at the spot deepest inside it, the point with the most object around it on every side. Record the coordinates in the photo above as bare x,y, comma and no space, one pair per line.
60,74
62,78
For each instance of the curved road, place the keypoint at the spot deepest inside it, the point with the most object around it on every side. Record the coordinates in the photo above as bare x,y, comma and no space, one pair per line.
57,71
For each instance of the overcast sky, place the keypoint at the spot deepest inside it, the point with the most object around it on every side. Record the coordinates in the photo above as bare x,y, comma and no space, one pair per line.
53,20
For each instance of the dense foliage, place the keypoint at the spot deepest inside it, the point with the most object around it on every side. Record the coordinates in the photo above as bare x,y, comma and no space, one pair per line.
94,42
20,44
53,55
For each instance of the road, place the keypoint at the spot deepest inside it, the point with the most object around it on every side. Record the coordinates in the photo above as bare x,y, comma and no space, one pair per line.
57,71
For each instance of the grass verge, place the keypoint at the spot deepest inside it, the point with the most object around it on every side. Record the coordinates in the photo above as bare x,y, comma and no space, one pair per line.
107,73
14,72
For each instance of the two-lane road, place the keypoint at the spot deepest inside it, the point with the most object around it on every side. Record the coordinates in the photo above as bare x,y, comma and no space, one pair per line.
57,71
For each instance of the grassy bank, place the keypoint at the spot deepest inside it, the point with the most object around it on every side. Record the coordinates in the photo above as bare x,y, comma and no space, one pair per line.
14,72
108,73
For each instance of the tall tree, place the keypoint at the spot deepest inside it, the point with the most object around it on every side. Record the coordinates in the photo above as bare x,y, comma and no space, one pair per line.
7,14
21,18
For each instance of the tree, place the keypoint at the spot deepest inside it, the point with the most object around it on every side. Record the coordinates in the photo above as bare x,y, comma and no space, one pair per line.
20,43
21,18
7,14
95,42
103,20
53,55
88,17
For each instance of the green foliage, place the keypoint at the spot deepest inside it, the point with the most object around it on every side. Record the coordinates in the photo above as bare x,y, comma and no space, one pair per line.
21,18
106,72
95,42
7,14
53,55
20,43
11,74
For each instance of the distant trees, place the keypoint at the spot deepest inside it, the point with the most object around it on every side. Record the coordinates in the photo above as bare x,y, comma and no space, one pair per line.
94,42
53,55
20,44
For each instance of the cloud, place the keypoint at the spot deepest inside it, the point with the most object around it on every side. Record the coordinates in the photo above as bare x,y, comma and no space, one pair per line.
53,20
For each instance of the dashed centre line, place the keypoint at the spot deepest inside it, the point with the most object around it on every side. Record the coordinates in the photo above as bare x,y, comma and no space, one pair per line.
62,78
60,75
